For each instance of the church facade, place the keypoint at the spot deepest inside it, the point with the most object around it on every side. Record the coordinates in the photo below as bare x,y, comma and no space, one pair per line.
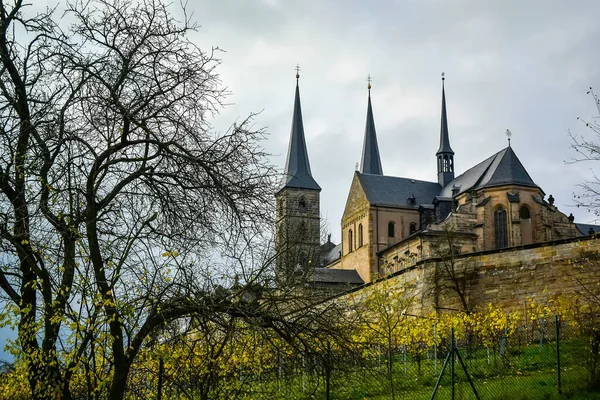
390,223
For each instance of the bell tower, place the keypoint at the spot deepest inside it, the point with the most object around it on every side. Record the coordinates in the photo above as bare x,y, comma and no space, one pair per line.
298,215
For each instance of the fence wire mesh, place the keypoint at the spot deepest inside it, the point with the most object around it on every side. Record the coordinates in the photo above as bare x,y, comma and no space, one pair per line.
539,359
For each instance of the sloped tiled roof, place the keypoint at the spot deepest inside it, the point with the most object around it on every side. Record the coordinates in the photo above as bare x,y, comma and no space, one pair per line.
392,191
339,276
332,255
584,229
503,168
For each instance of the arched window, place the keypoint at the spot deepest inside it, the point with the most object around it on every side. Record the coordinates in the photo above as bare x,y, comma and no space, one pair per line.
524,213
412,228
500,228
360,235
302,204
391,229
350,241
445,168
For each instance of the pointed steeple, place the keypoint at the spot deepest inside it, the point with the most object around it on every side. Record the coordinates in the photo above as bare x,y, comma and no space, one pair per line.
445,155
297,167
444,137
370,162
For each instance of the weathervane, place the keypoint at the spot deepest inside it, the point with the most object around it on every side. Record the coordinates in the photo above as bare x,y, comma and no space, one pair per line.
297,71
508,134
369,80
443,76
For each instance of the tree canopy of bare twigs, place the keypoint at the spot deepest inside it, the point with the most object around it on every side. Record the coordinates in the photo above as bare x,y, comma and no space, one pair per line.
587,148
121,210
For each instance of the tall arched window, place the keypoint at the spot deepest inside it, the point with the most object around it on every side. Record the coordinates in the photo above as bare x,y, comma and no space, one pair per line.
391,229
412,228
360,235
500,228
350,241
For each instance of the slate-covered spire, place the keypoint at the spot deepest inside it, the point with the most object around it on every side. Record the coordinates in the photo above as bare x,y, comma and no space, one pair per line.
445,155
370,162
297,167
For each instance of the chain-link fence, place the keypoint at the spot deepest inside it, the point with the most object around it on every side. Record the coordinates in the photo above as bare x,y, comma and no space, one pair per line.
539,359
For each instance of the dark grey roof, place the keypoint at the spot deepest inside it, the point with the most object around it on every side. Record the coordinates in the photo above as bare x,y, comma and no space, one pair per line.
393,191
333,254
444,137
334,275
585,228
297,168
370,162
503,168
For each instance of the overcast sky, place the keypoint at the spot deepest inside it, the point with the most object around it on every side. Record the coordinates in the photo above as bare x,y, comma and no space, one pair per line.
523,66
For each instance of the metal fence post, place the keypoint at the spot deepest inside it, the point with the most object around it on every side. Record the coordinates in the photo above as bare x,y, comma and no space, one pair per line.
435,347
557,325
161,370
452,351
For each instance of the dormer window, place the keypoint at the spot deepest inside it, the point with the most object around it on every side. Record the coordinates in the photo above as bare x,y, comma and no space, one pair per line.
411,200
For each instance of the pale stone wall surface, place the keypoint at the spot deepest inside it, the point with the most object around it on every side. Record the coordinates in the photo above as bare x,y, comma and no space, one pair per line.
509,277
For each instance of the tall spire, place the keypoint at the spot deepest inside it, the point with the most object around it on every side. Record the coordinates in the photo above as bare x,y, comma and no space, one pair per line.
445,155
297,172
370,162
444,137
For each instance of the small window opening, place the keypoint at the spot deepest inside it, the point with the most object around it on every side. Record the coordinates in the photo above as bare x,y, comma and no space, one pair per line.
412,228
391,229
302,204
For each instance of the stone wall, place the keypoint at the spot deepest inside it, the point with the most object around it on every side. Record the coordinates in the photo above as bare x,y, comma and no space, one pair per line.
508,277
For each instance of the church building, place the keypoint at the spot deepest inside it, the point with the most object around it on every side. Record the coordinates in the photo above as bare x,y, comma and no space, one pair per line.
391,223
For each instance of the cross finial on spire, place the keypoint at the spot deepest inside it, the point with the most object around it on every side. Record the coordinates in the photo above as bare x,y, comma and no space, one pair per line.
369,80
297,71
443,76
508,134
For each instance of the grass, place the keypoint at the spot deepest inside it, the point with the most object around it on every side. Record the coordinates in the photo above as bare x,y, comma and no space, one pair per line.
528,372
525,372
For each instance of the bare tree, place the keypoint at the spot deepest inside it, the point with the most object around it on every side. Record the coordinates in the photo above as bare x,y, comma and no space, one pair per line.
122,210
451,274
587,147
